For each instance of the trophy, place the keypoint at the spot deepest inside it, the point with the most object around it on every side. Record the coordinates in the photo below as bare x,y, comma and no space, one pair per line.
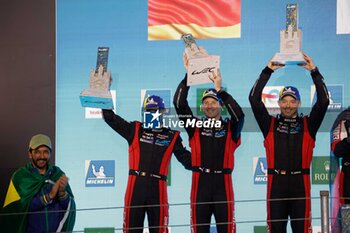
200,64
290,40
98,94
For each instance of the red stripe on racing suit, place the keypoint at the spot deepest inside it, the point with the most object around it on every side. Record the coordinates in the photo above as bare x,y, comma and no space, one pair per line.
201,181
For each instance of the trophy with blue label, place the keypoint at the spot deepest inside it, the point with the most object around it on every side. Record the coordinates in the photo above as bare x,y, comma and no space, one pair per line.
200,63
97,95
290,40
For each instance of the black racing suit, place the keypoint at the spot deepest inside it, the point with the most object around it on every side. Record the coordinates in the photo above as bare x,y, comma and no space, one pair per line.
212,151
341,148
289,144
149,156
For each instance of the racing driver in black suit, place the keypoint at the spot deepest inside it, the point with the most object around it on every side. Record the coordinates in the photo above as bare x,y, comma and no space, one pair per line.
289,139
150,151
212,148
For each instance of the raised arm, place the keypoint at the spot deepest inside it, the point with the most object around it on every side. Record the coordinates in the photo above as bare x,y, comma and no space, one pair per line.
121,126
180,102
319,109
233,108
180,99
255,98
236,114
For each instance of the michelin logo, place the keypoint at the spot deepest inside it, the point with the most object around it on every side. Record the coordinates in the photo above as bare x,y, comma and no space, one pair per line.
260,170
99,173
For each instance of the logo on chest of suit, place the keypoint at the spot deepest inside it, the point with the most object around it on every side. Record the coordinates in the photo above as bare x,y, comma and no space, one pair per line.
159,139
162,139
289,126
147,137
213,133
220,133
162,142
295,128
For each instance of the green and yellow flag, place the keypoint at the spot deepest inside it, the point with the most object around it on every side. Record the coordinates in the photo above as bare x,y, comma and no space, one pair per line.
23,186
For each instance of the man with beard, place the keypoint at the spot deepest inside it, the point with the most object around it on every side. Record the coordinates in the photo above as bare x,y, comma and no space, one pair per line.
39,198
212,149
289,142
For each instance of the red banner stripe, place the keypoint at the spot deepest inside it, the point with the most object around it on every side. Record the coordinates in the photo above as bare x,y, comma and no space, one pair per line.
206,13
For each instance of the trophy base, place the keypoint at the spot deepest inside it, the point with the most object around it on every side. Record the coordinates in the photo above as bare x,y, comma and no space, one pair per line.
199,69
96,100
288,59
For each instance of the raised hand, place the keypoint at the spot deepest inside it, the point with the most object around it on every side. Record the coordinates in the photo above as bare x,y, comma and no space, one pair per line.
63,181
309,62
185,59
216,79
274,65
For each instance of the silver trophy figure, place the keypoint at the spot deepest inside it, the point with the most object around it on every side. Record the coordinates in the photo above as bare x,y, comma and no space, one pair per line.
290,40
98,94
200,64
191,48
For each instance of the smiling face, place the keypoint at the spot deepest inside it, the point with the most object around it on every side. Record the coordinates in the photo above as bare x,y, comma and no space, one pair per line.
211,108
40,158
289,106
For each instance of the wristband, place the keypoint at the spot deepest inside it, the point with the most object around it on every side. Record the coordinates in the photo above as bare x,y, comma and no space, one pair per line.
314,70
47,199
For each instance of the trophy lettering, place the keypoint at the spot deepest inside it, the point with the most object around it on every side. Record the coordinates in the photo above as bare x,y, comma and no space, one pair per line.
97,95
200,64
290,40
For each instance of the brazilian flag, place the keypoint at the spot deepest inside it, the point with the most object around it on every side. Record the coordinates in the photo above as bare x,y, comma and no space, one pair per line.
23,186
